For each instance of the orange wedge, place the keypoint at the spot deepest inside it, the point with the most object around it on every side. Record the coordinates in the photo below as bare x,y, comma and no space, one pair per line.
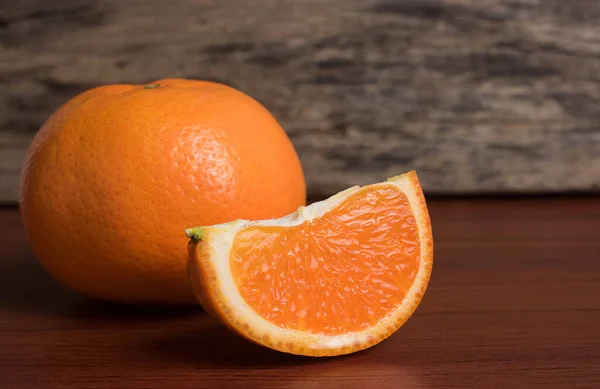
335,277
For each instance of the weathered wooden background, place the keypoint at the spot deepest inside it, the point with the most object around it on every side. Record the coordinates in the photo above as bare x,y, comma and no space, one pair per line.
477,95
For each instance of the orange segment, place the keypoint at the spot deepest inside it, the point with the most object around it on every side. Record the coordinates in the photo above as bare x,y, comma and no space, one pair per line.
332,278
341,272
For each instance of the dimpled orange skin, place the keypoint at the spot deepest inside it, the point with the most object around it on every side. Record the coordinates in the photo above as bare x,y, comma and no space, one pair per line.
115,176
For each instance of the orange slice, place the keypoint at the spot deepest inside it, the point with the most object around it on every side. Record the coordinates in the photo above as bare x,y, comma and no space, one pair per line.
332,278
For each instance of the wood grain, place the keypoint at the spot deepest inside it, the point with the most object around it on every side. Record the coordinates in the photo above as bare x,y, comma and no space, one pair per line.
478,96
513,302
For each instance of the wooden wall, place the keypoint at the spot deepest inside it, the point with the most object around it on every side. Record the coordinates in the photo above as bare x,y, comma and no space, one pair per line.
477,95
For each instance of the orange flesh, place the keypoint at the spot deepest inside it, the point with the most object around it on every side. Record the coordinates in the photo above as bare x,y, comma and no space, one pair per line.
335,274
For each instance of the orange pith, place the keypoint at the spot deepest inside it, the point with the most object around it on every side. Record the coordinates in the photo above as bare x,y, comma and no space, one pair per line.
340,272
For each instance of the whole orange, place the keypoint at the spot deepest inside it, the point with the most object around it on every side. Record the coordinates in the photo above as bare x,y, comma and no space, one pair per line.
115,175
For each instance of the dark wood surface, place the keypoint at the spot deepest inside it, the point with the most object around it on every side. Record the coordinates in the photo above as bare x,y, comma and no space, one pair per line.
514,302
478,96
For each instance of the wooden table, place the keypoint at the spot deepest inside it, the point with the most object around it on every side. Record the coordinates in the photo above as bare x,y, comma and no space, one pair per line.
514,302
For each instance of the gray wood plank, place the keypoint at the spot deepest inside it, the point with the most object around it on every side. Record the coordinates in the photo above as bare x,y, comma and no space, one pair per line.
477,95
